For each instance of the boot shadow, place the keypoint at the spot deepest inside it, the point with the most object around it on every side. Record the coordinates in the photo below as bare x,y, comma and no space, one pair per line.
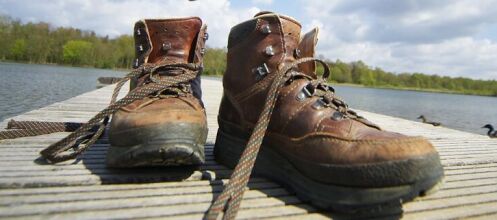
289,198
94,158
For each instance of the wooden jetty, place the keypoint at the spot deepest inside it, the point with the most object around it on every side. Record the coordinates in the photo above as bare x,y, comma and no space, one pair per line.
86,189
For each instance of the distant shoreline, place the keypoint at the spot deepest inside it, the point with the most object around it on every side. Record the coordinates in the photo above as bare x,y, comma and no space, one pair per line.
220,76
411,89
63,65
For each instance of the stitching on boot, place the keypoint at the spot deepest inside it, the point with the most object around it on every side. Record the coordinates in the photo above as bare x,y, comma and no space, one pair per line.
290,89
298,110
318,124
367,141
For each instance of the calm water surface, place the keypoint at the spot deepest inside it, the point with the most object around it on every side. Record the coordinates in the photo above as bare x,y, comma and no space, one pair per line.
462,112
26,87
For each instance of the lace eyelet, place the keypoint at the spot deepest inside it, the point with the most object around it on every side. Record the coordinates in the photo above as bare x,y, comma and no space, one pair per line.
166,46
304,93
261,71
319,104
136,63
266,29
337,116
296,53
269,51
301,96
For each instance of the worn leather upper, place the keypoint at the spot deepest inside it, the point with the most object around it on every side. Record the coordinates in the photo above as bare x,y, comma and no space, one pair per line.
166,41
298,128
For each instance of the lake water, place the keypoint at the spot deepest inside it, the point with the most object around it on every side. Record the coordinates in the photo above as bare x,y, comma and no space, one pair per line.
26,87
462,112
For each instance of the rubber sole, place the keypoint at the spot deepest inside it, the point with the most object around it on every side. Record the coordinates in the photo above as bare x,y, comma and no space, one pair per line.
156,154
369,201
167,145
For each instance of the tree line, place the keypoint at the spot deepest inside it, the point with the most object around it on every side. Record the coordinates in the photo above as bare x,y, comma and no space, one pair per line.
43,43
359,73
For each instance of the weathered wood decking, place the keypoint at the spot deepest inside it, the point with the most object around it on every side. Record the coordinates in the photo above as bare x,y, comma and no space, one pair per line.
86,189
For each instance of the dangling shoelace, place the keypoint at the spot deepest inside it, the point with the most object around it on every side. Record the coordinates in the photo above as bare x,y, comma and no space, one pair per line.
85,134
230,198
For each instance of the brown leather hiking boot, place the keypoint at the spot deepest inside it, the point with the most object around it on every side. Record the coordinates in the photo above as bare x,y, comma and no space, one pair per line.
314,144
169,127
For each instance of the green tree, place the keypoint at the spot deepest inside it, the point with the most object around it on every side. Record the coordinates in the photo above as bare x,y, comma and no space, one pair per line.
214,61
77,52
124,52
37,42
359,68
18,50
340,72
6,36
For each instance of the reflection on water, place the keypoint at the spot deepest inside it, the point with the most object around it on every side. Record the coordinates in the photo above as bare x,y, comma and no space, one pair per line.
25,87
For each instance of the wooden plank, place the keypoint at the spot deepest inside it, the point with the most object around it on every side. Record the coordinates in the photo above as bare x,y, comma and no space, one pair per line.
480,209
485,216
204,197
249,208
87,189
253,183
312,216
128,193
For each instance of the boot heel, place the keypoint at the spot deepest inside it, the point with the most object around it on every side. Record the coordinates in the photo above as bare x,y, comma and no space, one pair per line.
227,150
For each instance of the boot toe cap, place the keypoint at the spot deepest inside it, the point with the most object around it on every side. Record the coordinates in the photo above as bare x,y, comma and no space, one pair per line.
368,162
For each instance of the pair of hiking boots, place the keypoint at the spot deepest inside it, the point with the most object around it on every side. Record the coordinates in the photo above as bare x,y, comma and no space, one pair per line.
312,142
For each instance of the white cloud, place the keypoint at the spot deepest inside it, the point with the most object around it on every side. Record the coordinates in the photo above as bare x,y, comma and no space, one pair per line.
404,21
434,37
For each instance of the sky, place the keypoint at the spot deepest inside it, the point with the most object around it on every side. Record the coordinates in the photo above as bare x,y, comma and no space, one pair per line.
444,37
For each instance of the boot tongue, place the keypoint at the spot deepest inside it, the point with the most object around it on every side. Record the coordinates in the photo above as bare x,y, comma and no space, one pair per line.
172,40
297,47
307,48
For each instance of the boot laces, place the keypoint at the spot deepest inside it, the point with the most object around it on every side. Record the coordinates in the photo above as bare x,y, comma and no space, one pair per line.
178,89
326,93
